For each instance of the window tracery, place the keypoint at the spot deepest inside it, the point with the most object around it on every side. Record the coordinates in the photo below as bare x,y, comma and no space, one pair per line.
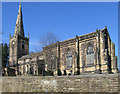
69,60
90,55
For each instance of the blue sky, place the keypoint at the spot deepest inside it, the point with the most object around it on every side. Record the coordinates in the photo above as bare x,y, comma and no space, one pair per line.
66,20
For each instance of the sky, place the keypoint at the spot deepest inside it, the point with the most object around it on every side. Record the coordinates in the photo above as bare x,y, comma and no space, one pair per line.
64,19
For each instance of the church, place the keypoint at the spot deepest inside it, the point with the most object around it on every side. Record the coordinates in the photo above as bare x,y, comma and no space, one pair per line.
92,53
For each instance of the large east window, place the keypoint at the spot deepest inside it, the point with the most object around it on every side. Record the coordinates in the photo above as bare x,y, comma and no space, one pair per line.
90,55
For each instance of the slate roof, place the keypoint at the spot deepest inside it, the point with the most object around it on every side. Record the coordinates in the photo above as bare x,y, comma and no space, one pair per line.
32,55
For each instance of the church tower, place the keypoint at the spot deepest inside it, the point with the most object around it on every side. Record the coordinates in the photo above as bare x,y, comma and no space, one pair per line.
18,44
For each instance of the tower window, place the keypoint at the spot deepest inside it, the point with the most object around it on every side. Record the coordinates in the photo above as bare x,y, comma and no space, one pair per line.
90,55
22,44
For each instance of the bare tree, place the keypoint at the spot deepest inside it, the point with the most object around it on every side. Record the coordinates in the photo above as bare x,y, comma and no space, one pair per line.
51,59
47,39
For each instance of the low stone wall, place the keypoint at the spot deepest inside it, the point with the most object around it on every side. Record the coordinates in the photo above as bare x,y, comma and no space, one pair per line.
82,83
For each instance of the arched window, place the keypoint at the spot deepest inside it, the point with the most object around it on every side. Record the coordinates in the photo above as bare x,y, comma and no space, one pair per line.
52,56
31,69
90,55
69,60
53,60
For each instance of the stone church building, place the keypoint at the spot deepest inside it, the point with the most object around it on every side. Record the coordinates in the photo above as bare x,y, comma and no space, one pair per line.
93,53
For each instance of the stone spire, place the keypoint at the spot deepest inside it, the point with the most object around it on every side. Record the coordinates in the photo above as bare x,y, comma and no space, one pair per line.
19,30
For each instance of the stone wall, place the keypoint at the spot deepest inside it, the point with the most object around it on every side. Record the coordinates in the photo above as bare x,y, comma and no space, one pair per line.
82,83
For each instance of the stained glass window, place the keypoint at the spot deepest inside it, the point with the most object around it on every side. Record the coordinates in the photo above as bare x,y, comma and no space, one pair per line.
90,55
69,60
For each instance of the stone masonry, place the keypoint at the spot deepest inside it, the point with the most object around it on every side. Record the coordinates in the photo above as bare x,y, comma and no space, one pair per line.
82,83
92,53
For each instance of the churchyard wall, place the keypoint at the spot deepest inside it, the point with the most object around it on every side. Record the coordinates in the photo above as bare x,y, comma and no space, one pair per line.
80,83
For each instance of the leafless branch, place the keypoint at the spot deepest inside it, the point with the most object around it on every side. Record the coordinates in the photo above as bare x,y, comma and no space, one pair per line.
47,39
